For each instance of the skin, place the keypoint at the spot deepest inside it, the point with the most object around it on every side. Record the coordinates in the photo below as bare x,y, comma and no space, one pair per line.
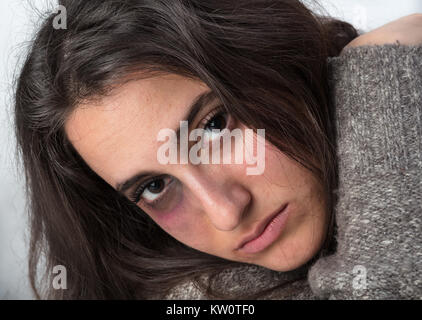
406,30
210,207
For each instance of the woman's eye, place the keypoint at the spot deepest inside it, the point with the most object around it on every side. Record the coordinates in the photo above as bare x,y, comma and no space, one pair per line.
151,192
216,120
153,189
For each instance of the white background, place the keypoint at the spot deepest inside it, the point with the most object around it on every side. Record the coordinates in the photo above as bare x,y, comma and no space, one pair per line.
18,20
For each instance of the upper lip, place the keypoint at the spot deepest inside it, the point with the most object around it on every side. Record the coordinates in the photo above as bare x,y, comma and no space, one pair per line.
260,227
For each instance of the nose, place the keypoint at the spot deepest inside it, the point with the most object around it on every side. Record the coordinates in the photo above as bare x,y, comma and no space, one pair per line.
224,200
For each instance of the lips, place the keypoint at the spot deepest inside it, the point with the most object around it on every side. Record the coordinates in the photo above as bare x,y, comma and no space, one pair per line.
260,228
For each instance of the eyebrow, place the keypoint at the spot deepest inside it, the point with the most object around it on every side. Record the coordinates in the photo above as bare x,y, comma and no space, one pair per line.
197,104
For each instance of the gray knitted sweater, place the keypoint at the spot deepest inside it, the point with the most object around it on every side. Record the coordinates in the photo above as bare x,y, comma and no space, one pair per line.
377,94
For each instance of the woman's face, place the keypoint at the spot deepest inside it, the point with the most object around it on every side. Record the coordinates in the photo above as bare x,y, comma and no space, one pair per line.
210,207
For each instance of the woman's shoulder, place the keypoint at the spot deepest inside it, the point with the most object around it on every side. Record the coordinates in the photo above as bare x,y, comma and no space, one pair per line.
363,60
395,45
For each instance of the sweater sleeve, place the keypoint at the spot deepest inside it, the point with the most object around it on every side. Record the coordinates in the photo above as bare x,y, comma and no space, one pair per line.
377,94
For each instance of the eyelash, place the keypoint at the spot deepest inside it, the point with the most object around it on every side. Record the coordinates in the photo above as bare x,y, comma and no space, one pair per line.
135,196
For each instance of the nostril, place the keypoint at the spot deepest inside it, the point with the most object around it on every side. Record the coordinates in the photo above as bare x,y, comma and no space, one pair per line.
246,210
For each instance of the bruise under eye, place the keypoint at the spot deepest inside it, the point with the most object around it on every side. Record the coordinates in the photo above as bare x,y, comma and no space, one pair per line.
167,200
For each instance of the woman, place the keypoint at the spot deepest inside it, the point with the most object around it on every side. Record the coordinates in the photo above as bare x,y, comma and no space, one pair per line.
91,100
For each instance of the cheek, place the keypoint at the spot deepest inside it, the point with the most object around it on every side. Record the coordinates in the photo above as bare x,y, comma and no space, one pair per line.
287,172
186,226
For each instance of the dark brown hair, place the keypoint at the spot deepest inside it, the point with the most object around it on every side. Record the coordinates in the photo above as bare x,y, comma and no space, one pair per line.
265,59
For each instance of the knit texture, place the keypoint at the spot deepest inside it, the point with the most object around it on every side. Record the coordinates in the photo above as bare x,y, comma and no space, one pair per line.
377,94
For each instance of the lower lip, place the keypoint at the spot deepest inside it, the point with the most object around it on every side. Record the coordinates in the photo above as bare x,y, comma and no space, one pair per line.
270,234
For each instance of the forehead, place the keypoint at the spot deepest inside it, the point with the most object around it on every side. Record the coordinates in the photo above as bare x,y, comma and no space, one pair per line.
117,136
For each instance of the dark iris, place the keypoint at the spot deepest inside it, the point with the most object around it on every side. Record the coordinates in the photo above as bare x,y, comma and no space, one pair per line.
156,186
218,122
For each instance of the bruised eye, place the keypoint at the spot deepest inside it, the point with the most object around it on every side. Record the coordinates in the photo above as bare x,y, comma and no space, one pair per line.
151,191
